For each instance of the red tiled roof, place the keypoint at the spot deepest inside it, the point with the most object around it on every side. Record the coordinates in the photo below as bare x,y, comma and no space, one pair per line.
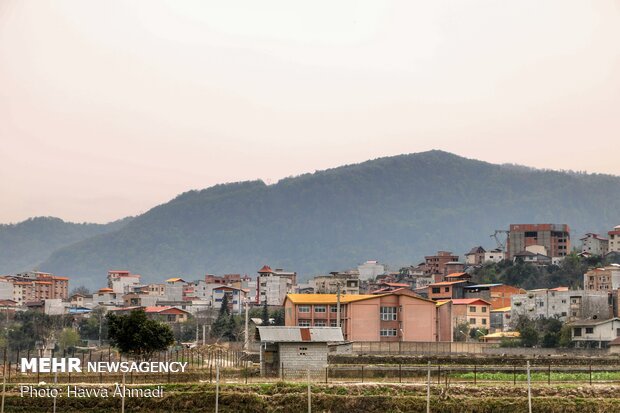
456,274
265,269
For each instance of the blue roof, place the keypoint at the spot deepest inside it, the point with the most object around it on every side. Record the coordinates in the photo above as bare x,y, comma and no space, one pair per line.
79,310
482,285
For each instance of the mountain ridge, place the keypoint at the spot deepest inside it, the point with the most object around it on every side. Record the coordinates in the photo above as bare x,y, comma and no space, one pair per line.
396,209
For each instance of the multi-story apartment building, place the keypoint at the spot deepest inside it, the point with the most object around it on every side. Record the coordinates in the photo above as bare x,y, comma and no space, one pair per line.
602,279
272,286
594,244
499,295
436,264
236,298
473,311
34,286
475,256
328,284
614,239
565,304
122,281
554,237
399,315
370,270
495,255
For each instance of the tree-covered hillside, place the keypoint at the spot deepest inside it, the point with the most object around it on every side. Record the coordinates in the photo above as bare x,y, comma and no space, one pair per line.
394,209
25,245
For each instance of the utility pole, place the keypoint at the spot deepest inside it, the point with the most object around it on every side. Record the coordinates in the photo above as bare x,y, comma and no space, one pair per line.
246,341
338,307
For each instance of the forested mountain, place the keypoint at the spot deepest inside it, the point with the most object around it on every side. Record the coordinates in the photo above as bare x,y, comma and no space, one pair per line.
25,245
394,209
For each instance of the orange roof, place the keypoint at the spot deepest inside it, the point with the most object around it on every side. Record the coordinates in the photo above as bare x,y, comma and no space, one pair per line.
346,298
105,290
446,283
467,301
456,274
265,269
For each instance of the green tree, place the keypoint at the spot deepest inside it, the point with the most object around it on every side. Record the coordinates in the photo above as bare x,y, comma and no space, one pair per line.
137,335
460,332
278,317
68,338
265,315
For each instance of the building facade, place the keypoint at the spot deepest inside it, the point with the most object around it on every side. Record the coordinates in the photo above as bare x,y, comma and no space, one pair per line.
562,303
554,237
594,244
396,316
273,286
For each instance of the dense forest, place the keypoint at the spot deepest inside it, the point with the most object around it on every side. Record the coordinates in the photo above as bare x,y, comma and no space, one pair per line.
394,209
25,245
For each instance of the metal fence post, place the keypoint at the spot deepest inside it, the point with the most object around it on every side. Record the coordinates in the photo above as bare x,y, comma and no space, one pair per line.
475,374
514,375
428,389
309,391
529,388
217,388
549,375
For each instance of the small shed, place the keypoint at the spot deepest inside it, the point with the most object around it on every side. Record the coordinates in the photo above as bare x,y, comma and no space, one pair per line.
294,351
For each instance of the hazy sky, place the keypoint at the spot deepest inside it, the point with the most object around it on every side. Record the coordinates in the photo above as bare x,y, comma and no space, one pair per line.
108,108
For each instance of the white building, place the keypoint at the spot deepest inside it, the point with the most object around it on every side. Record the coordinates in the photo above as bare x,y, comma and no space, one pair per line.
273,286
370,269
594,244
595,333
121,281
562,303
173,290
236,298
495,255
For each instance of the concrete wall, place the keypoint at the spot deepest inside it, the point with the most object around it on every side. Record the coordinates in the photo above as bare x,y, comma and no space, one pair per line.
298,357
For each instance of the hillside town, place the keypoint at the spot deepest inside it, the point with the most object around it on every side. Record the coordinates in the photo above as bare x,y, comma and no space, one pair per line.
437,300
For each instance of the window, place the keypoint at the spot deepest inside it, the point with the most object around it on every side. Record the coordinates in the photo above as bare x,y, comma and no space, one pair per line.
617,332
319,323
436,290
563,301
589,330
334,308
320,309
388,313
333,323
447,289
484,309
472,321
577,332
541,304
304,308
387,332
304,323
484,321
563,313
472,309
303,351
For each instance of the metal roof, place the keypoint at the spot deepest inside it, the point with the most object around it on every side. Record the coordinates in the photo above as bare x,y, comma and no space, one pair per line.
300,334
482,285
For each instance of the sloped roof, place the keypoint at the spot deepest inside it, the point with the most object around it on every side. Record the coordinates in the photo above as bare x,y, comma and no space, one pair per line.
456,274
501,310
265,268
328,298
300,334
467,301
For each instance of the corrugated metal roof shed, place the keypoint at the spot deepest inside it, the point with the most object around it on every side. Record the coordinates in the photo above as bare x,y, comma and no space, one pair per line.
295,334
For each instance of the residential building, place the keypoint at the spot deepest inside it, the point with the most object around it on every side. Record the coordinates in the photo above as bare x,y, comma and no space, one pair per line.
140,300
554,237
532,258
452,267
475,256
500,337
107,297
594,244
473,311
565,304
34,286
614,239
447,290
595,333
236,298
495,255
602,279
399,315
436,264
121,281
499,295
349,283
500,319
370,270
272,286
165,314
175,289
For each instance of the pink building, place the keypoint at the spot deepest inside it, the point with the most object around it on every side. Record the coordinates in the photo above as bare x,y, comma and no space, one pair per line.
399,315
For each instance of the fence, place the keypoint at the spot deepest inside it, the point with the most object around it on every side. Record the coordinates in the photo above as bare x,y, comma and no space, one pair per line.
413,347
